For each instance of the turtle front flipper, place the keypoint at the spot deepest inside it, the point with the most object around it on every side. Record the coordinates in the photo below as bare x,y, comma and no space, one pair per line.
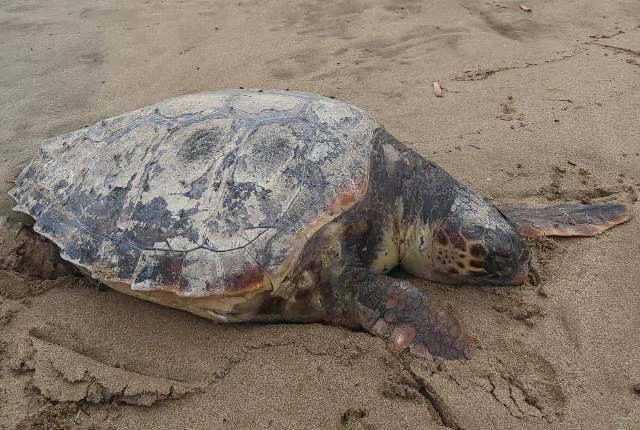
565,219
395,309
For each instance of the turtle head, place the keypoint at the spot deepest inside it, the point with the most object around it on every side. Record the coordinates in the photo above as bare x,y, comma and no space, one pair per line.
479,254
473,244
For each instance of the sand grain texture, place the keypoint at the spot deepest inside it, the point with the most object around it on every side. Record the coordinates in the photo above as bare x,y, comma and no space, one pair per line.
539,105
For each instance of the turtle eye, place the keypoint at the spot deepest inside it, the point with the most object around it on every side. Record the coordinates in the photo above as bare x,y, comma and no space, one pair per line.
499,264
478,251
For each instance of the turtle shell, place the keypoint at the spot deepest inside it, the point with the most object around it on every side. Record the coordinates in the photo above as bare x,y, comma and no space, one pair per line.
203,195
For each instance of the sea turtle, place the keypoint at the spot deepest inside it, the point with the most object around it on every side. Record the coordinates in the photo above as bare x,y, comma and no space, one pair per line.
269,206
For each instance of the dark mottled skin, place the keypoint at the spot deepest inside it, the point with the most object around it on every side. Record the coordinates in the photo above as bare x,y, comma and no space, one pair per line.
342,255
278,206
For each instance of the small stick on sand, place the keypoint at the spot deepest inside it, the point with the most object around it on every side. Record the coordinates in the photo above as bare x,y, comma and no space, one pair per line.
437,89
606,36
525,8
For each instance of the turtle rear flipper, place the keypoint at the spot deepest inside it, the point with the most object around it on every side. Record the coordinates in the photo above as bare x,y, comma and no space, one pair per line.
565,219
394,309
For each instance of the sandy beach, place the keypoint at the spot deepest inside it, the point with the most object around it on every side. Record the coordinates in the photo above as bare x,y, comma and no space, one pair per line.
540,105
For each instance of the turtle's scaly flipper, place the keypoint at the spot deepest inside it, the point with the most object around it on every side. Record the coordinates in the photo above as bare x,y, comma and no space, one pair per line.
395,309
566,219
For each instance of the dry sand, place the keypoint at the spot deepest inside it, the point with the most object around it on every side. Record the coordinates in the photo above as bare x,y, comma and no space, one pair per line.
540,105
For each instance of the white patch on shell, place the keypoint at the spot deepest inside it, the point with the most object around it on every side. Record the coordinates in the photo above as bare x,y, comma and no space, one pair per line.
191,104
318,152
258,102
332,113
202,266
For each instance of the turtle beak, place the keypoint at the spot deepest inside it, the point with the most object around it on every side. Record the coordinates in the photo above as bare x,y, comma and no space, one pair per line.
520,277
521,274
509,268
